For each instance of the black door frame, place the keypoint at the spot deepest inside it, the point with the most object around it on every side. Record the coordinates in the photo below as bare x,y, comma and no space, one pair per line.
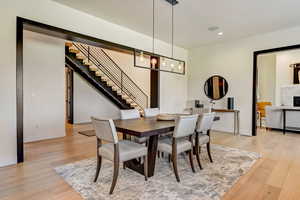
26,24
69,95
255,79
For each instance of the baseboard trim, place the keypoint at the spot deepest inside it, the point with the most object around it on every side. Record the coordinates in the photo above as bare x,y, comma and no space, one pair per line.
281,130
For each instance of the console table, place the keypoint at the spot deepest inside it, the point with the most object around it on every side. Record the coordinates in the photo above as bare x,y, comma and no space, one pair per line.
285,110
236,118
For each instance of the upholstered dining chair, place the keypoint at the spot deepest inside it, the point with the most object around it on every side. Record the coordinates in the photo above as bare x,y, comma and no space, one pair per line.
179,143
202,136
261,108
130,114
133,114
151,112
115,150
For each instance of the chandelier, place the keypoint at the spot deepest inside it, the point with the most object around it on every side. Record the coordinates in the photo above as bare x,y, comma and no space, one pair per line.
153,61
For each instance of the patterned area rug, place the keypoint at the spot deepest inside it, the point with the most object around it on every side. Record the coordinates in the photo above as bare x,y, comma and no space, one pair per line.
211,183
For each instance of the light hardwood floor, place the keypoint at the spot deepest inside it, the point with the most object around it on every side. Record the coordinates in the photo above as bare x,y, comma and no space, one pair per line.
275,176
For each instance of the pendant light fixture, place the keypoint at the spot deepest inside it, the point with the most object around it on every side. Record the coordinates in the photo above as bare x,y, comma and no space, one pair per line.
153,61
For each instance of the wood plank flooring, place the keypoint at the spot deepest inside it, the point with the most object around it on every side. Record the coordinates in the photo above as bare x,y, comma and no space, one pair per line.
275,176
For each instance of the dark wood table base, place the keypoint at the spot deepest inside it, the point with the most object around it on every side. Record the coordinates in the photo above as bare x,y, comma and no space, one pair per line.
137,166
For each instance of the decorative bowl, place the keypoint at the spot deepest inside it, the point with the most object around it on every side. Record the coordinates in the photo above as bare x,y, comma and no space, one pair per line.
166,117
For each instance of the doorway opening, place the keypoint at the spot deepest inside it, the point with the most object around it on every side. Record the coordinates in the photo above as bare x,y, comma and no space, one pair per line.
276,88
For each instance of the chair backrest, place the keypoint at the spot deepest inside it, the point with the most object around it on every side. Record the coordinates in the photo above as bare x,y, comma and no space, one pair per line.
151,112
105,130
130,114
205,122
185,126
261,107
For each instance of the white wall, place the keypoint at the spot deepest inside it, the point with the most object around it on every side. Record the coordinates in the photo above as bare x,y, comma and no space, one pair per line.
54,14
266,66
234,61
44,87
274,72
284,73
139,75
89,102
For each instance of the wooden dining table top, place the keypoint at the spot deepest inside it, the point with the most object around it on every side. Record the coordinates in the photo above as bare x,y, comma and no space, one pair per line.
145,127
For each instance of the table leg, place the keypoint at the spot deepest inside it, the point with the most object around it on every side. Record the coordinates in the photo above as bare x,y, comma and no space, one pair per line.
152,152
234,129
238,123
284,121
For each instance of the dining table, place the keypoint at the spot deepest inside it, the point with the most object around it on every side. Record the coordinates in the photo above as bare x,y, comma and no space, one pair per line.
146,127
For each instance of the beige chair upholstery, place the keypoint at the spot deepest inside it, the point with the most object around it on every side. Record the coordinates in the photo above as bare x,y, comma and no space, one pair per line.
105,130
128,150
133,114
184,126
151,112
130,114
183,144
115,150
202,136
205,122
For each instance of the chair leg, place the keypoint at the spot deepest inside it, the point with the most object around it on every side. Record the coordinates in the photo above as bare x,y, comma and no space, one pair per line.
169,158
260,122
197,149
208,152
174,161
146,167
115,177
99,162
191,160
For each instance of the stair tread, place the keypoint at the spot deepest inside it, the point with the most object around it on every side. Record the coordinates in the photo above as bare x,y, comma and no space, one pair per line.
123,98
73,50
68,44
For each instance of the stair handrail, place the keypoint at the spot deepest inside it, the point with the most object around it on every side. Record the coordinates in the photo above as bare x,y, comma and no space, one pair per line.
87,53
123,72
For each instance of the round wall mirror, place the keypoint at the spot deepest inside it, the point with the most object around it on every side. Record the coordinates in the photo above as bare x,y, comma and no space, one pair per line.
216,87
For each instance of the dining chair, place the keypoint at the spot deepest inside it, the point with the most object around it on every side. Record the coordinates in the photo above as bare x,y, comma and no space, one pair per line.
202,136
261,108
181,141
130,114
133,114
115,150
151,112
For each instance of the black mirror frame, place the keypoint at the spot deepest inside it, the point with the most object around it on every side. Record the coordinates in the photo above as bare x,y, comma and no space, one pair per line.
206,83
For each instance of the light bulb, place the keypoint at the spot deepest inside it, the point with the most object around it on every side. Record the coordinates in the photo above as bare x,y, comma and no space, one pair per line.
163,62
153,62
179,66
172,67
142,56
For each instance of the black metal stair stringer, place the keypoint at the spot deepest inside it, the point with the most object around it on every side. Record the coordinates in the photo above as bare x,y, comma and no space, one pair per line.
95,81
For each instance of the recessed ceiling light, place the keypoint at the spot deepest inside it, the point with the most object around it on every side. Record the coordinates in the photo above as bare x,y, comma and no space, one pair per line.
213,28
220,33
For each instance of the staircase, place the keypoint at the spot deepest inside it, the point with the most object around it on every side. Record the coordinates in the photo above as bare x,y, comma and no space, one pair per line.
98,68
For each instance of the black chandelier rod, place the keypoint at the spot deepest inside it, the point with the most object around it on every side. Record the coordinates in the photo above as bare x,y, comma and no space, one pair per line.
153,25
172,30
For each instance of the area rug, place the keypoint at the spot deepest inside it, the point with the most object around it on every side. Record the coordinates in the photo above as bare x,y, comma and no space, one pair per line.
211,183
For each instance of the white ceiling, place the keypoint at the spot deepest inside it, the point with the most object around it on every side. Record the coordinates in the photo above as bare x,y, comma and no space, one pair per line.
236,18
